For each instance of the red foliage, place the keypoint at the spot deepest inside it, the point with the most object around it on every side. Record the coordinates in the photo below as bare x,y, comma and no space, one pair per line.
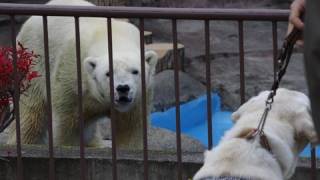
23,75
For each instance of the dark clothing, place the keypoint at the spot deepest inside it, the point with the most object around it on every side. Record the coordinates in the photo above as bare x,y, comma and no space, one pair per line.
312,57
225,178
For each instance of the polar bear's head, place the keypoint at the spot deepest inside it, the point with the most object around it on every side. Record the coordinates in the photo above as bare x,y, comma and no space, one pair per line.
126,74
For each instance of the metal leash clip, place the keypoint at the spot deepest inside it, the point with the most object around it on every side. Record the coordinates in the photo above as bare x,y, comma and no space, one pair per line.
283,62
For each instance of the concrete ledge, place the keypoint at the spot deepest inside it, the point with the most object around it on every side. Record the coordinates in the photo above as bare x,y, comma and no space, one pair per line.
162,164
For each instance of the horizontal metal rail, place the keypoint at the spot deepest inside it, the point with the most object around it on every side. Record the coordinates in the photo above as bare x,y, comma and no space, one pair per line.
174,14
141,12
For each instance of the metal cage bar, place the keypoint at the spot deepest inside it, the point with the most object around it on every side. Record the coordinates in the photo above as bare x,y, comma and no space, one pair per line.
83,171
16,98
144,100
173,14
313,164
177,96
275,48
140,12
112,113
208,80
241,61
49,102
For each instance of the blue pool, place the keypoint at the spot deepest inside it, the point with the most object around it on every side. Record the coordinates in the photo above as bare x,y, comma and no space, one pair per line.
194,121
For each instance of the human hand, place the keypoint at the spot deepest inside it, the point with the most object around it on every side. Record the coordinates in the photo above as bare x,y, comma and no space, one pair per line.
297,9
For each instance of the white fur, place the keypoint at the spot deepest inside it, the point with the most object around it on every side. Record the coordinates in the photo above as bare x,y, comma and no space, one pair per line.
94,64
288,127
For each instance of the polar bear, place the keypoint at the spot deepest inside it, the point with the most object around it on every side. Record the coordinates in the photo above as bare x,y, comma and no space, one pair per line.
95,80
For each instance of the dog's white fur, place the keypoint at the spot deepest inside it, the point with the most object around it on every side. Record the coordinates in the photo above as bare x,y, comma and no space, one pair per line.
289,128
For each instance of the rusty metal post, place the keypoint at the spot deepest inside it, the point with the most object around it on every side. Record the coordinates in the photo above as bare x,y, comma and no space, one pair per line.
83,170
177,96
112,113
275,48
208,81
241,60
144,101
16,98
49,103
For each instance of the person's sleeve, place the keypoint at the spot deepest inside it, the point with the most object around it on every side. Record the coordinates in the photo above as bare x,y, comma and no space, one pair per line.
312,57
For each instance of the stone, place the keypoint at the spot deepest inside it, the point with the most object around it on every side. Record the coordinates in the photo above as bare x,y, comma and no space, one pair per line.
166,56
158,138
258,69
164,89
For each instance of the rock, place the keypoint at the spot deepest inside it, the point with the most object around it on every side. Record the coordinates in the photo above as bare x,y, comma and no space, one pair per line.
223,35
162,139
166,56
164,90
158,138
258,75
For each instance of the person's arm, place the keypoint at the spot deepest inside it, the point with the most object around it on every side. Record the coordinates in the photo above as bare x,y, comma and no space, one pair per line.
297,9
312,57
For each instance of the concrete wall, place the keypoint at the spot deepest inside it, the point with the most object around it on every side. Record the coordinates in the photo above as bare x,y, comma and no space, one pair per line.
162,165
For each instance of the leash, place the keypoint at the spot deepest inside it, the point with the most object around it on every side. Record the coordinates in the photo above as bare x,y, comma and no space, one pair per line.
283,62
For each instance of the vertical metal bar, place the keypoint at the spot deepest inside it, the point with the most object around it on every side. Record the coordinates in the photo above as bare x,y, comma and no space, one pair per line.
49,104
80,103
16,98
112,115
313,164
208,79
241,53
177,96
144,101
275,48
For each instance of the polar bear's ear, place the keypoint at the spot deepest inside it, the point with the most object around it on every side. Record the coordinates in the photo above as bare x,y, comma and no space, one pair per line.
90,64
151,59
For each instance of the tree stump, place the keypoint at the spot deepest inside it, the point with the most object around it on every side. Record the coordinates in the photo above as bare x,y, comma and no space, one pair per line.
147,37
166,57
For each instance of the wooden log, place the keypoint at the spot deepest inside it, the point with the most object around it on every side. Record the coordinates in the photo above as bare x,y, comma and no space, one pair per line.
165,54
148,37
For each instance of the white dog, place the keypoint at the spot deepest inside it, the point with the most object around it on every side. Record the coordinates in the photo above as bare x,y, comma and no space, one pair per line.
288,129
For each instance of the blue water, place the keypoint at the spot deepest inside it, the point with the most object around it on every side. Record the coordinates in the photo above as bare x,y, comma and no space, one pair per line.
194,121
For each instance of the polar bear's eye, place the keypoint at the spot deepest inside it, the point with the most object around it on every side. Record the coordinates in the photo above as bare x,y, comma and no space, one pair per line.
107,74
135,72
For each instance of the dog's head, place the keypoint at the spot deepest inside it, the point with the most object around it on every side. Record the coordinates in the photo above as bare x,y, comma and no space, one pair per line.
289,128
289,107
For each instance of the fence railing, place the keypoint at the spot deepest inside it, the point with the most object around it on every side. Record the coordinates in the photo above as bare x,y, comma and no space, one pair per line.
173,14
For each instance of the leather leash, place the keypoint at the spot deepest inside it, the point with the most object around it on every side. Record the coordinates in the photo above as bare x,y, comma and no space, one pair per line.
283,62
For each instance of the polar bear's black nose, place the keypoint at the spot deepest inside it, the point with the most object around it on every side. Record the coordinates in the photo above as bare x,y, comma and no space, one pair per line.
123,88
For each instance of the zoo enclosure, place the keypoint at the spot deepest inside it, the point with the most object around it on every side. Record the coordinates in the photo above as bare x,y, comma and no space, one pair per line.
173,14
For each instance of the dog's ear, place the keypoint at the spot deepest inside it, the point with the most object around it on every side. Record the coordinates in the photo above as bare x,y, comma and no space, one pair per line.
246,107
253,104
235,116
305,131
